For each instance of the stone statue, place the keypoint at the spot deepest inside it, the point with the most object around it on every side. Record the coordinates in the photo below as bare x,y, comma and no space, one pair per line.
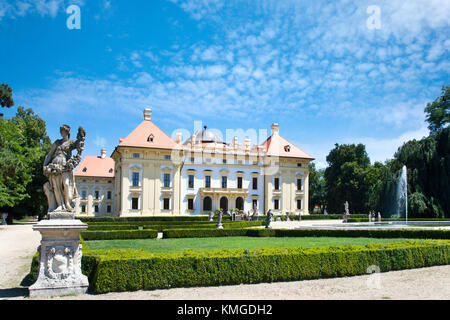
4,216
60,250
287,216
211,215
219,220
379,217
255,215
269,218
58,168
347,212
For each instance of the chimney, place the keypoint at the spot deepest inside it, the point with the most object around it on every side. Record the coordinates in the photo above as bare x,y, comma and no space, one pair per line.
235,142
148,114
274,128
103,153
179,135
247,144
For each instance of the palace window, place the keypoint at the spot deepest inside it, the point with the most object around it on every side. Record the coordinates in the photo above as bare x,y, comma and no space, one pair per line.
83,194
96,209
166,203
239,182
190,204
135,179
96,195
109,195
255,183
166,157
299,204
224,182
299,184
166,180
255,203
276,204
83,208
277,183
134,203
191,181
135,155
207,181
108,209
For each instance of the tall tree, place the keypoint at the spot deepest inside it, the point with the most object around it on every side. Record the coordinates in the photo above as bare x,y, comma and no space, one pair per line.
317,188
23,146
345,178
14,174
6,99
438,112
37,144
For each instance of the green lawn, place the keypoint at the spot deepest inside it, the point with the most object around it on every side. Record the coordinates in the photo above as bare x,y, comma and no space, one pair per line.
179,245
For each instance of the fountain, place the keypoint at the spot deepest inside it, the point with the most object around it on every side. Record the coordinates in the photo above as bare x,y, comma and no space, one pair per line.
402,194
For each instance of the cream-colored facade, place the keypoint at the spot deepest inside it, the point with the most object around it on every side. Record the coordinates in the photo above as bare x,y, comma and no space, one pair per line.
155,175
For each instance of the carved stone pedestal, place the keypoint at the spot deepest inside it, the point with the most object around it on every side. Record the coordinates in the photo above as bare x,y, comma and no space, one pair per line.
59,259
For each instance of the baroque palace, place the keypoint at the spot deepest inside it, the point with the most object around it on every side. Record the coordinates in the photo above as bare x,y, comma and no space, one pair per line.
151,174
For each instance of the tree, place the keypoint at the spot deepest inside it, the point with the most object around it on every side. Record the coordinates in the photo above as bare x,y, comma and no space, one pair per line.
14,174
23,146
438,112
37,145
317,188
6,99
345,178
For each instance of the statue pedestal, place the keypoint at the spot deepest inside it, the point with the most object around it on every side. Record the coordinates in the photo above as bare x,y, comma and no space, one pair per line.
59,259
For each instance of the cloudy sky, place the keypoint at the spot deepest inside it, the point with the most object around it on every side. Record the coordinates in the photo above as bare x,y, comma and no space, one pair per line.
327,71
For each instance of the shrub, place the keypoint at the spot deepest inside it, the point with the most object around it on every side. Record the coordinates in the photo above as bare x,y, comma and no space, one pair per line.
118,234
363,233
350,233
203,233
130,270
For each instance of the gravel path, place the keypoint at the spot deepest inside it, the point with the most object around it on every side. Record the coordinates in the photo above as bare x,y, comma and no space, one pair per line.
19,243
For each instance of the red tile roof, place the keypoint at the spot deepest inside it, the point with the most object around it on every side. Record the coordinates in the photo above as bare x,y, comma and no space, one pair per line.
95,166
140,137
278,146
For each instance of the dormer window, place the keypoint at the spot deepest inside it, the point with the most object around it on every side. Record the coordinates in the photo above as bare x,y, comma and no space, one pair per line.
150,137
84,169
111,170
287,148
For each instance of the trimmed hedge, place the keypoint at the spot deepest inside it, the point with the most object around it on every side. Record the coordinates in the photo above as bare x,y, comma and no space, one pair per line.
203,233
118,234
350,233
293,216
160,226
131,270
366,219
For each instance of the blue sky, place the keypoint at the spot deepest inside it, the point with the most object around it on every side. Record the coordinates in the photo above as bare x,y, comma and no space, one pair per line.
314,67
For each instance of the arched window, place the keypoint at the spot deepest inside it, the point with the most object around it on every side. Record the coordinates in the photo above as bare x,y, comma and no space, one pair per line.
224,203
207,204
240,203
